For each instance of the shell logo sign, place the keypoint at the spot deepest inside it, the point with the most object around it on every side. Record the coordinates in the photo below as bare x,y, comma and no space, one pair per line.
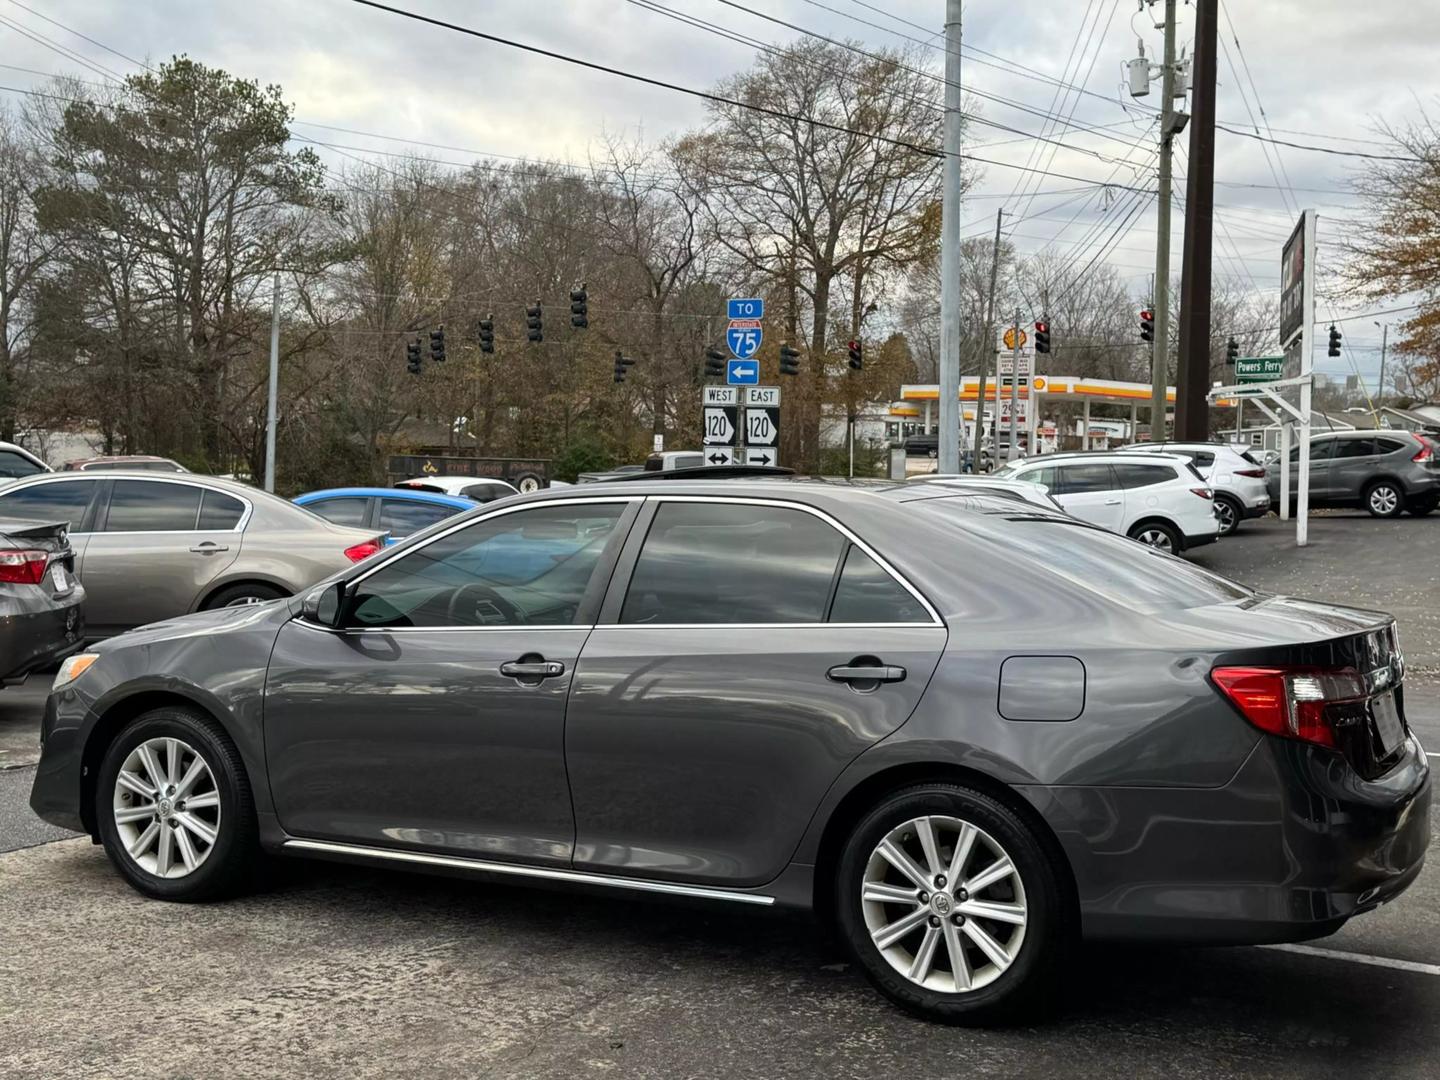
1039,382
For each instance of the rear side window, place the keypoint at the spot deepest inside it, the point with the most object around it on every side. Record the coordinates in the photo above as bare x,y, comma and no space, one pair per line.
342,511
220,512
1082,479
712,563
1353,448
1202,459
143,506
1389,446
1142,476
866,593
401,517
13,465
65,501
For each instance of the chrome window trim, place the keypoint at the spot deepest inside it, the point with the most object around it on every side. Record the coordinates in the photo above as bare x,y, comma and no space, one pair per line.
186,480
814,511
547,873
517,628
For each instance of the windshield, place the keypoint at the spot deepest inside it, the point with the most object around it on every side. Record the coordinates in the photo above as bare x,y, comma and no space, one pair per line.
1121,570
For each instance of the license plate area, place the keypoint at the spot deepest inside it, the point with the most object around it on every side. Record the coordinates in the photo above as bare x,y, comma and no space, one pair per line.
59,579
1385,724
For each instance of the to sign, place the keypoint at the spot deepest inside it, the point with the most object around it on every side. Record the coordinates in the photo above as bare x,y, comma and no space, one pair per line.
720,455
762,426
1256,369
745,308
720,425
742,372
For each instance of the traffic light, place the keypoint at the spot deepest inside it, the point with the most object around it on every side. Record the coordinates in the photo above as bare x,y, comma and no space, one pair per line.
622,365
486,333
437,345
1042,338
1335,338
857,355
534,322
789,359
412,357
1232,352
714,363
1147,325
579,308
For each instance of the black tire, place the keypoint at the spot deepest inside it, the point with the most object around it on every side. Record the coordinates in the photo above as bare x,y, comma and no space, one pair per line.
1384,499
247,592
1175,542
231,864
1230,514
1025,989
527,482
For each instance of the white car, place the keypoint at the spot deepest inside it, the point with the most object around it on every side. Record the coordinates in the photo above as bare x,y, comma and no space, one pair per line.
481,489
1160,499
1035,494
1237,477
16,461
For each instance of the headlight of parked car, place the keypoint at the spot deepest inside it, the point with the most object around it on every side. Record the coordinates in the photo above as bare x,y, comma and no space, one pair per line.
73,668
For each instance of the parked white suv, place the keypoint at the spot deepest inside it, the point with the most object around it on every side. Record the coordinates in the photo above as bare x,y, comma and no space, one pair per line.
16,461
1160,500
1238,479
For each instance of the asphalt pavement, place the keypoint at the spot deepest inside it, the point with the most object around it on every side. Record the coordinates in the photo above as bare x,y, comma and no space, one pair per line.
332,971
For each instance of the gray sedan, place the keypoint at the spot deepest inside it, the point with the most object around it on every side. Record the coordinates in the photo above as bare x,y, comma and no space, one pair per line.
962,729
151,546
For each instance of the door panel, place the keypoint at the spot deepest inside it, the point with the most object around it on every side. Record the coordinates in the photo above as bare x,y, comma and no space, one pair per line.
702,753
415,738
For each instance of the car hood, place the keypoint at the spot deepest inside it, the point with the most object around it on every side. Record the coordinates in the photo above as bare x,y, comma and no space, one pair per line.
200,624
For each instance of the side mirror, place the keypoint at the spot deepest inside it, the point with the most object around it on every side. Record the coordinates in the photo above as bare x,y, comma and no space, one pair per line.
325,605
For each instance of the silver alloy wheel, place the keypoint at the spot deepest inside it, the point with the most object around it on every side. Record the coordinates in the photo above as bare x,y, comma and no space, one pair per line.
166,807
944,904
246,601
1384,499
1225,513
1156,538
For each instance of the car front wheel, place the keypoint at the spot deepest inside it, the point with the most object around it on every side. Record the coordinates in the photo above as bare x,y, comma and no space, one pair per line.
952,907
174,809
1384,499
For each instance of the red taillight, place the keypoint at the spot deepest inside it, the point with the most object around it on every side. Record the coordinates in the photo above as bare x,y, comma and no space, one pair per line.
23,567
1253,474
363,550
1427,451
1290,702
1204,493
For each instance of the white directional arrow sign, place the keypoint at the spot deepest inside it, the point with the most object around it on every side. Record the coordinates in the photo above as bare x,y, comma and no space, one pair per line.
720,455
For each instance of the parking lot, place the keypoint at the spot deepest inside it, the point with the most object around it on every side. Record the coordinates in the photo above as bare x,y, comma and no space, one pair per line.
336,971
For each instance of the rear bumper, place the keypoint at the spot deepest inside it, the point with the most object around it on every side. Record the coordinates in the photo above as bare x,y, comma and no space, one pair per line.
1259,509
36,631
1292,847
1200,540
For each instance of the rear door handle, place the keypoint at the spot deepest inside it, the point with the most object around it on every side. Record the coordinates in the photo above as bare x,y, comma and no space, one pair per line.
866,673
539,669
1112,502
209,548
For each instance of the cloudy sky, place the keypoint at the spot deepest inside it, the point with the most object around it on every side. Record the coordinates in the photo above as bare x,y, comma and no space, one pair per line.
1326,72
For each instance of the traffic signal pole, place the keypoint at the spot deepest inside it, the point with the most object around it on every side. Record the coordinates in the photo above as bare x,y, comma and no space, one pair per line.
1192,381
1160,355
949,462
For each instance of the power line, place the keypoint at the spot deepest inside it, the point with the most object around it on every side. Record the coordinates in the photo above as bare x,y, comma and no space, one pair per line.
1322,149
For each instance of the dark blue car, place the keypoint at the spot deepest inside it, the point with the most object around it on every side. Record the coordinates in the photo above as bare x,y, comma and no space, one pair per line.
398,511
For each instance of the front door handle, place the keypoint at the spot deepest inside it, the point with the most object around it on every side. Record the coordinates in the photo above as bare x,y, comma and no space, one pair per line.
1112,502
536,669
866,673
209,548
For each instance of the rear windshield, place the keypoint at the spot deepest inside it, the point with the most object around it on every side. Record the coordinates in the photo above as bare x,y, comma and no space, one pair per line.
1121,570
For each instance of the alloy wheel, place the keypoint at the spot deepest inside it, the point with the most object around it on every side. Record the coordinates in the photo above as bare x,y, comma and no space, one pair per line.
167,807
1384,500
1225,513
1155,538
246,601
944,904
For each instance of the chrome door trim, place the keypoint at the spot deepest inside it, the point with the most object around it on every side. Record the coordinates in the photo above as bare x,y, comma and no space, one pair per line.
544,873
813,511
494,629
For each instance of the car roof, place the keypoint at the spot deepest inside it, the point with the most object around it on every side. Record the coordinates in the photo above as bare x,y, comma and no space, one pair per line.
1083,456
434,498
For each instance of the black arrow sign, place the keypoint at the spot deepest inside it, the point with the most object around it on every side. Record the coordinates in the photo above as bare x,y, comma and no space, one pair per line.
762,458
717,459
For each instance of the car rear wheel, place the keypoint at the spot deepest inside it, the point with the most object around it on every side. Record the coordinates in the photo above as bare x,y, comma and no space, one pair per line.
1158,535
1229,513
174,809
1384,499
242,595
952,907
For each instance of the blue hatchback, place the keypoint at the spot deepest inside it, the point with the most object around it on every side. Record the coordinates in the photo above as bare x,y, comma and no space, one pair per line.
397,511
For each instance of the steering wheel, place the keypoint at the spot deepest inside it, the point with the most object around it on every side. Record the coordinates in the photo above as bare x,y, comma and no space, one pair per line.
477,594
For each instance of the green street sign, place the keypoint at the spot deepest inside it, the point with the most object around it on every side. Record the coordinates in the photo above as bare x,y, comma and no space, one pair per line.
1255,369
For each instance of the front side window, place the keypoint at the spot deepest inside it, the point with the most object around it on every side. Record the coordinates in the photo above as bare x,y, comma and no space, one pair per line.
64,500
530,568
146,506
484,493
712,563
1085,479
866,593
401,517
1320,450
1354,448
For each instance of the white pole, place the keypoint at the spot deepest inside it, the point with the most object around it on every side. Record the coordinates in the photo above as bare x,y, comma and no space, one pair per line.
274,385
1285,467
1085,435
1307,372
950,251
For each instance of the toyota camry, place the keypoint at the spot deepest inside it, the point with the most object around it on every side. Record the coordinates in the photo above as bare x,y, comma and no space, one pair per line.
966,731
